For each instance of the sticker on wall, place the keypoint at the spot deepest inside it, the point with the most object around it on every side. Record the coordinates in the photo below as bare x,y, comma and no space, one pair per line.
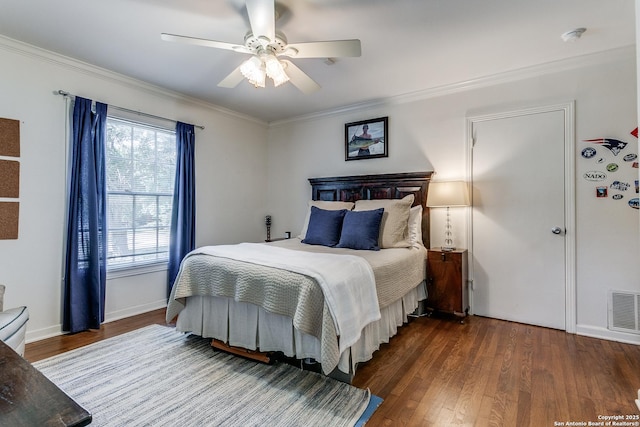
634,203
614,145
620,186
601,192
614,189
594,176
588,152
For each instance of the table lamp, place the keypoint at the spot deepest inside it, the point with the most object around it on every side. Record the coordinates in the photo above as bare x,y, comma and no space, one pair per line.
447,194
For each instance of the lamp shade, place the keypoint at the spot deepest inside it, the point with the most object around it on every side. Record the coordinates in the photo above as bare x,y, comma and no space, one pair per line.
447,194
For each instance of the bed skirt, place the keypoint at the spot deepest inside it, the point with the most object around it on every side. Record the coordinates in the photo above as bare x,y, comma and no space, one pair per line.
251,327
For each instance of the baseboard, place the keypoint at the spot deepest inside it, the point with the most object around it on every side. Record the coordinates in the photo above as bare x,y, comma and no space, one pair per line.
44,333
606,334
55,330
133,311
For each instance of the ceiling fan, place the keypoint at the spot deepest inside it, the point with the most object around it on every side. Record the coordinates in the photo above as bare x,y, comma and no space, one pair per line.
266,46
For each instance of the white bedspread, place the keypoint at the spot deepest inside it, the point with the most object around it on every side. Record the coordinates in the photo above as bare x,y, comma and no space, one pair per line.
347,281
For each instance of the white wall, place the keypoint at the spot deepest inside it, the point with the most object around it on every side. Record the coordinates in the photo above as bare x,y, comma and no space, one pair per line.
230,156
427,132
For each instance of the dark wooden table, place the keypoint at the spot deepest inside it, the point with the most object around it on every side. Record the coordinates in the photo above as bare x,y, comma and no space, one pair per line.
28,398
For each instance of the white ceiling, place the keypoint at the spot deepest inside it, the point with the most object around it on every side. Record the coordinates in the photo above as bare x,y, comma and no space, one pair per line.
407,45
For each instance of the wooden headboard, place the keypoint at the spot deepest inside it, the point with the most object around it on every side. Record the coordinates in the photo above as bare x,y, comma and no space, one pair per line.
383,186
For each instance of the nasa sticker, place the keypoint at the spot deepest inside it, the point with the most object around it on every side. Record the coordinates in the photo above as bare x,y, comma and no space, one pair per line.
594,176
630,157
634,203
588,152
612,167
617,196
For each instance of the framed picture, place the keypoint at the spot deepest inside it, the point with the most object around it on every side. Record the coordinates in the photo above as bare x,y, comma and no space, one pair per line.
366,139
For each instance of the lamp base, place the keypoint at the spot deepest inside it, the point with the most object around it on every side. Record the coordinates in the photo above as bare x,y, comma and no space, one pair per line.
447,248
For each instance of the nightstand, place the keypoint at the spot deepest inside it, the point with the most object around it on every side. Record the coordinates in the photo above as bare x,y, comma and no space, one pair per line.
447,282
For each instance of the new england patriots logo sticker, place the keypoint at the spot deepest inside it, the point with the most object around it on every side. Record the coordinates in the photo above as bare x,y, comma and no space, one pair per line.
612,144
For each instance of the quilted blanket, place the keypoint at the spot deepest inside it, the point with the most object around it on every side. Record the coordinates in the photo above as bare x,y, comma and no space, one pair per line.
323,302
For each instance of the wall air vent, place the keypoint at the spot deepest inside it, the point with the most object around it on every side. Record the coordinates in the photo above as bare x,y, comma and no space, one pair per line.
624,311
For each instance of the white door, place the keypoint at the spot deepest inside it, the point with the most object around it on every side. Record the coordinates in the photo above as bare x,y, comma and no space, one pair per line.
519,220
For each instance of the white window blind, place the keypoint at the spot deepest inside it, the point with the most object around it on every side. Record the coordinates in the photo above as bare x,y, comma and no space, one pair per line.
140,173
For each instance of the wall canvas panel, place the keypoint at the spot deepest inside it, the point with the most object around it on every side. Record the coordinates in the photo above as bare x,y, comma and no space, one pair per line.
9,137
9,178
9,213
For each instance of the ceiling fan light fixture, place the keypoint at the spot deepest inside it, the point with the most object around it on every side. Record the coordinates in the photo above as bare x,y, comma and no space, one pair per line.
265,44
275,70
253,70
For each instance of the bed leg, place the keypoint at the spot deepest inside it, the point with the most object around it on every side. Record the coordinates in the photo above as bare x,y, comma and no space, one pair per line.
258,356
337,374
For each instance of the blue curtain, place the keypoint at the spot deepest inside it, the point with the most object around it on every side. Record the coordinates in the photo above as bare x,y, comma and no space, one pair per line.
183,215
86,254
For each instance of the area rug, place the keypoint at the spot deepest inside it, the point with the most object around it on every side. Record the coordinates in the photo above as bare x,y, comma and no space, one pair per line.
156,376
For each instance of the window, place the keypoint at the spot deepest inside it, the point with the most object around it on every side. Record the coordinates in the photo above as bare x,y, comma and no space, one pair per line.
140,173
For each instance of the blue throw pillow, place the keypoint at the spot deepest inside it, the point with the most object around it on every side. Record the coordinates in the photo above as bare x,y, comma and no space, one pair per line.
324,227
360,230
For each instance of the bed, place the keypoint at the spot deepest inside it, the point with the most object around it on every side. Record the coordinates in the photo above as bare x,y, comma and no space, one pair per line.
272,297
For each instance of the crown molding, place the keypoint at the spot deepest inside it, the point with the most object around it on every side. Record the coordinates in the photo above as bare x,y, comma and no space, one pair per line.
38,53
612,55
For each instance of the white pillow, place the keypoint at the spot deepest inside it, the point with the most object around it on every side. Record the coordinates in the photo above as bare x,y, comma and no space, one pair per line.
415,226
394,229
326,205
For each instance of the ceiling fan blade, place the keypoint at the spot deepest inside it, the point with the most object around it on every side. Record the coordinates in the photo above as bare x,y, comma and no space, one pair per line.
262,16
204,42
233,79
326,49
299,79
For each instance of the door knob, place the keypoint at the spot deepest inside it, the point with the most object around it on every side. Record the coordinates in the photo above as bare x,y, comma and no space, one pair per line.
556,230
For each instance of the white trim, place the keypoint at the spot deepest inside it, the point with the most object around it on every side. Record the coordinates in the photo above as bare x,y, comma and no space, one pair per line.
28,50
44,333
54,331
568,109
571,316
116,273
612,55
133,311
606,334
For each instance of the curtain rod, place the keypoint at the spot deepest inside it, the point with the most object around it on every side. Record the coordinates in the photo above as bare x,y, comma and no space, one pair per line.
69,95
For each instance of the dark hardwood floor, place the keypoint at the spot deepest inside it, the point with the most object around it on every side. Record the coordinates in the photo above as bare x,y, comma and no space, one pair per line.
486,372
